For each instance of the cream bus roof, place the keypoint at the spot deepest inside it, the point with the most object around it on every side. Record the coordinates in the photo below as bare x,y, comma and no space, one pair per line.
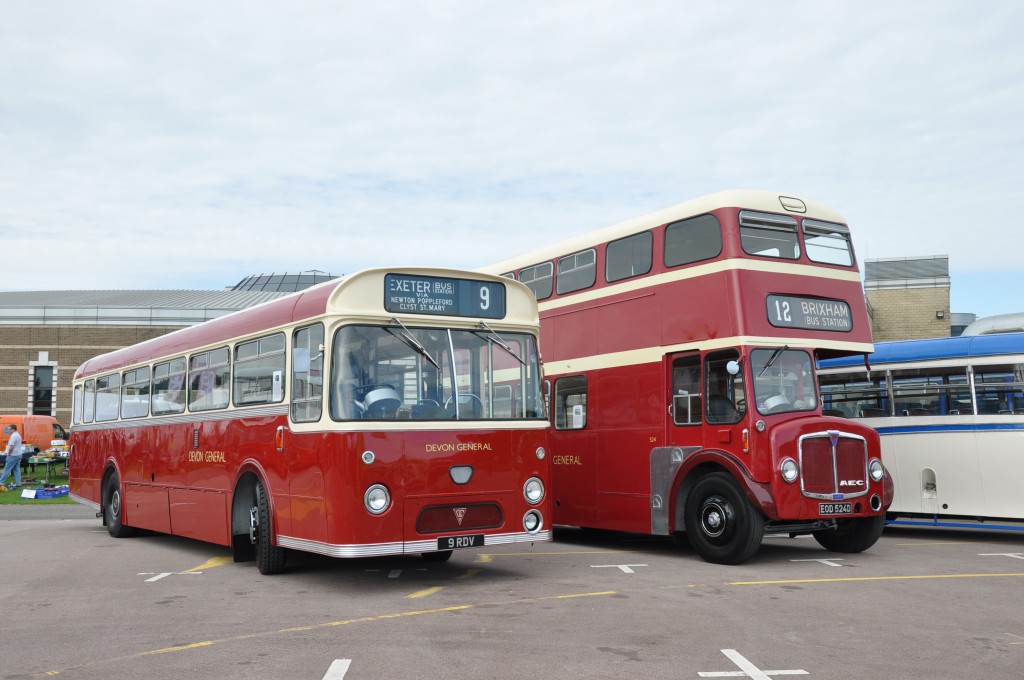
358,296
751,199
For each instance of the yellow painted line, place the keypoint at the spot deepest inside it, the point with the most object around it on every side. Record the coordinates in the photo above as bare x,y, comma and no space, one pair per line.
210,564
869,578
364,619
179,648
569,597
425,592
470,573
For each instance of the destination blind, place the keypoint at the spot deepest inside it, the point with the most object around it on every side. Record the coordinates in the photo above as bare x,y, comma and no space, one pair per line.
410,294
819,314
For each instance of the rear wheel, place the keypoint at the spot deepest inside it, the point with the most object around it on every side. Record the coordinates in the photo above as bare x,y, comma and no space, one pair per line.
852,535
113,509
722,525
269,557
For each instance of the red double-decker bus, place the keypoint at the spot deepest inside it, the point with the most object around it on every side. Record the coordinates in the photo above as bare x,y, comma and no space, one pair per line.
682,346
391,411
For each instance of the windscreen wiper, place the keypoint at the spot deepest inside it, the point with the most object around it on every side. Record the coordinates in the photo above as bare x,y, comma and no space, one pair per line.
499,342
408,338
771,360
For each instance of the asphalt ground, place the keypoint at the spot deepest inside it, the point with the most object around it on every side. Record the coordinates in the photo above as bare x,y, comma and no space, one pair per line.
922,603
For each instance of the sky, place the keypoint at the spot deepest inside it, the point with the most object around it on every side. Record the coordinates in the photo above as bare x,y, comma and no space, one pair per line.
187,145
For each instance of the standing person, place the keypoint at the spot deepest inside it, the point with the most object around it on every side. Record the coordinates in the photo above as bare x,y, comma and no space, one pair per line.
13,463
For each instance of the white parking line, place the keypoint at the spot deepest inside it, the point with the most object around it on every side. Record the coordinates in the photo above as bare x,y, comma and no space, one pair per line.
338,669
747,669
1019,556
625,568
830,561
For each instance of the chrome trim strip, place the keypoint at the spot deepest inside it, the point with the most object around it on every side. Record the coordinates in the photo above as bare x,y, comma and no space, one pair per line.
398,547
84,501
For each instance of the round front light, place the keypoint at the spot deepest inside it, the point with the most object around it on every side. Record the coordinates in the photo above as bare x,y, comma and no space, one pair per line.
532,521
789,469
533,491
376,499
541,453
876,469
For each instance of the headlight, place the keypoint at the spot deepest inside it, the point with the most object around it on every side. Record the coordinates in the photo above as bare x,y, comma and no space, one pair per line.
532,521
533,491
376,499
876,469
790,470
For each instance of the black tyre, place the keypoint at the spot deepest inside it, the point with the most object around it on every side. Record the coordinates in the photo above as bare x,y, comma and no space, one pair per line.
269,557
439,556
113,509
852,535
722,525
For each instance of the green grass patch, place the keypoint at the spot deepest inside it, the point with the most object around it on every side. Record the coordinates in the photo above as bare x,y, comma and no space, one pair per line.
56,478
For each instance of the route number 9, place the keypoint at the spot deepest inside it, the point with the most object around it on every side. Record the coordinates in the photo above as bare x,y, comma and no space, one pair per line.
485,297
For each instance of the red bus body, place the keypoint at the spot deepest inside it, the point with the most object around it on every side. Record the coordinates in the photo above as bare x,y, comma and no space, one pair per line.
622,347
201,473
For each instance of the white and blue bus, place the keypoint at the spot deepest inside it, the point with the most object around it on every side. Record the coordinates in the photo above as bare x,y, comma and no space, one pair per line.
950,414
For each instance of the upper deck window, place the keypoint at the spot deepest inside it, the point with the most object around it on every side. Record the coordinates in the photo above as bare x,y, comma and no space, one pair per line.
539,279
628,257
828,243
769,235
577,271
692,240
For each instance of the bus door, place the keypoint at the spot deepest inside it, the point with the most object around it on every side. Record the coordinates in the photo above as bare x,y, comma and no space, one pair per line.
685,406
725,400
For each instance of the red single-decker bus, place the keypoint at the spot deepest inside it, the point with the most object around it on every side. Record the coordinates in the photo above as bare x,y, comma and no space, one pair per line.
388,412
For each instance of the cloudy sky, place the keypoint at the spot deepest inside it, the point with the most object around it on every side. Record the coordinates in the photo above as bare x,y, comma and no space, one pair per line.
189,144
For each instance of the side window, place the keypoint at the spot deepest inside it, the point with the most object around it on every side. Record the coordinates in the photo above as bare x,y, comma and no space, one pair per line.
108,389
628,257
571,403
135,393
692,240
725,395
539,279
209,375
259,371
686,399
577,271
76,406
828,243
769,235
89,406
308,374
169,387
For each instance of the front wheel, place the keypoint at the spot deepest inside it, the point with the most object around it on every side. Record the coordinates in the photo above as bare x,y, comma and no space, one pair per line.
113,509
269,557
722,525
439,556
851,535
